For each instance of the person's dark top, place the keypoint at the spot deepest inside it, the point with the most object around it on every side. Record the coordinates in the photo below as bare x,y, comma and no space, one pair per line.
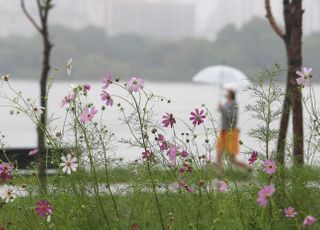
229,115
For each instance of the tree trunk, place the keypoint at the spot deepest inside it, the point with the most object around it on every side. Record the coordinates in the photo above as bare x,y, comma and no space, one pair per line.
44,8
42,155
294,55
292,11
284,122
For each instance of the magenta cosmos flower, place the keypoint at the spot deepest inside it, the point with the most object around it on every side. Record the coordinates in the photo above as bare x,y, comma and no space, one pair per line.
168,119
309,220
197,117
106,81
253,158
184,154
147,154
265,193
135,84
185,168
162,141
305,76
43,209
181,184
86,87
290,212
68,99
107,98
269,166
223,186
88,114
172,153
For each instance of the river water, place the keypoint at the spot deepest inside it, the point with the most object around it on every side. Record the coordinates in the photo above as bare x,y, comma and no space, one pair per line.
185,97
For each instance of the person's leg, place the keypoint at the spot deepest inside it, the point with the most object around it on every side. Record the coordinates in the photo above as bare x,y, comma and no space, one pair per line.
219,163
238,163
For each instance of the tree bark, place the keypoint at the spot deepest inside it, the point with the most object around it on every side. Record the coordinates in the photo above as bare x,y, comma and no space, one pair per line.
293,98
284,122
294,55
43,9
42,155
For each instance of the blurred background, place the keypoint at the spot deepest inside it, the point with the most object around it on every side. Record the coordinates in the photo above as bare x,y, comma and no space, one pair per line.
159,40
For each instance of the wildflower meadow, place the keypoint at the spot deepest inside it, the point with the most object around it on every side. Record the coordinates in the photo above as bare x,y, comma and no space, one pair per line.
173,184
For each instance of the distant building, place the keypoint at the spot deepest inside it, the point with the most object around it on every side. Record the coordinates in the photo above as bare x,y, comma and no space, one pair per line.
236,12
311,16
162,19
239,12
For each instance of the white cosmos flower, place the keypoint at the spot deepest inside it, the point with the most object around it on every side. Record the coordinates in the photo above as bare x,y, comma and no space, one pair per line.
8,194
69,164
69,67
37,110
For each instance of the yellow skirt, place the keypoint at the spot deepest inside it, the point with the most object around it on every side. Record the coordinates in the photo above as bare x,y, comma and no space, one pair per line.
228,141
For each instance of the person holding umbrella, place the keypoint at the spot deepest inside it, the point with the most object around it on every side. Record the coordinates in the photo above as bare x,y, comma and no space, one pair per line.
228,139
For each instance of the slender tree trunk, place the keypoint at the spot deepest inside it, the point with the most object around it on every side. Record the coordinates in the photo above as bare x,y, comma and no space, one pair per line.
284,122
42,156
294,55
44,8
292,38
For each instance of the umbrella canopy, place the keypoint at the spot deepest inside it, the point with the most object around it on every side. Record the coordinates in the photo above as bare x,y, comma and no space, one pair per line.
222,75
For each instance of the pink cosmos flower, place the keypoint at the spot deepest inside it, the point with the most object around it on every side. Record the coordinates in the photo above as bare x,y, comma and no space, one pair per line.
134,226
88,114
33,152
168,119
290,212
68,99
182,184
106,81
253,157
147,154
309,220
6,167
305,76
86,87
184,154
43,209
163,142
223,186
185,168
4,177
269,166
5,171
172,153
197,117
265,193
107,98
135,84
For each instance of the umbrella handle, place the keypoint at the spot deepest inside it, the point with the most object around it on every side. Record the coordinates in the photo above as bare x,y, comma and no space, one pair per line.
220,93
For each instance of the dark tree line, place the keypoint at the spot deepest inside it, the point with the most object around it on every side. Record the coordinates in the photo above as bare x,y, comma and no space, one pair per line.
93,53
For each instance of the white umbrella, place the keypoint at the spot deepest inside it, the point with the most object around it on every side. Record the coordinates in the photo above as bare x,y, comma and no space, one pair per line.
222,75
